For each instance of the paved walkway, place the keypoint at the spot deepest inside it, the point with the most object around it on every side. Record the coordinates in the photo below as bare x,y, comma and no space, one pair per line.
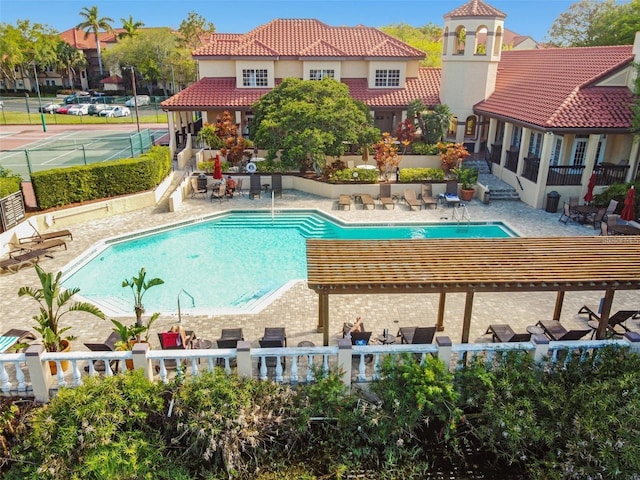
297,308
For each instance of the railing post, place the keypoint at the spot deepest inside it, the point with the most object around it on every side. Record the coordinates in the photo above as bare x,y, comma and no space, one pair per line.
542,348
140,360
39,372
245,368
444,344
634,339
345,360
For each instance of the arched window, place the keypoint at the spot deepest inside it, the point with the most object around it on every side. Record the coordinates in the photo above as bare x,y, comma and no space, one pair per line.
460,40
481,41
445,41
470,126
497,41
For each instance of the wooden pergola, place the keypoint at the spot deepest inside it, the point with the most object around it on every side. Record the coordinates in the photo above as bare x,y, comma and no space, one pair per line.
560,264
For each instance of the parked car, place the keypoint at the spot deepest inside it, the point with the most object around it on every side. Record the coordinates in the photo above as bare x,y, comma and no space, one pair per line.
78,97
79,109
96,108
140,99
115,111
50,107
63,109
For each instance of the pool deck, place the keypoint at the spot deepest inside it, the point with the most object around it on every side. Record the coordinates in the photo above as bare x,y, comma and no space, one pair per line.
297,308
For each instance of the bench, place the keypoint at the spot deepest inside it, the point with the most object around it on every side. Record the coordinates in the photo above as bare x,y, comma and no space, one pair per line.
344,201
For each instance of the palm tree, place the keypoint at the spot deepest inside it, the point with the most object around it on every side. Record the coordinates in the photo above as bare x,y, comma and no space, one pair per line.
130,27
68,60
139,287
93,24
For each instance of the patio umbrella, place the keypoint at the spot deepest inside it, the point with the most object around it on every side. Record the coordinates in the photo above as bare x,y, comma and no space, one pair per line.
628,210
588,197
217,169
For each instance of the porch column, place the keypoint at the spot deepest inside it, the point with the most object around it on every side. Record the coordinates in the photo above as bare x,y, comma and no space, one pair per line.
524,150
543,171
172,133
634,161
466,323
491,134
589,163
506,143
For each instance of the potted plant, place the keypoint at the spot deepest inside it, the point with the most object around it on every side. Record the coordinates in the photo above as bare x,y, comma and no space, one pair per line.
54,303
132,334
139,286
467,177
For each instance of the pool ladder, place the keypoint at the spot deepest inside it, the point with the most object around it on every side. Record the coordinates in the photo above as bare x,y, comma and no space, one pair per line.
461,214
193,303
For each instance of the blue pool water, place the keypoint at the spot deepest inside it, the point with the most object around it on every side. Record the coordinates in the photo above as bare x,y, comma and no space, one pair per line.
229,263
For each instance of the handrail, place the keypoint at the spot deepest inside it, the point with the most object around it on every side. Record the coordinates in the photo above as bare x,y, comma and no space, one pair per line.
193,302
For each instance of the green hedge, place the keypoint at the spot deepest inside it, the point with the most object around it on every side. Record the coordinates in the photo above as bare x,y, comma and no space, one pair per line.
364,176
63,186
9,185
416,175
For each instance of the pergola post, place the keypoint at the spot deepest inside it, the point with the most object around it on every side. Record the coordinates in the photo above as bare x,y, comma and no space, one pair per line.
604,314
466,325
558,308
440,321
323,316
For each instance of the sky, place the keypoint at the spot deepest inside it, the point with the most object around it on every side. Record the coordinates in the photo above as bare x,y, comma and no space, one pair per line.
525,17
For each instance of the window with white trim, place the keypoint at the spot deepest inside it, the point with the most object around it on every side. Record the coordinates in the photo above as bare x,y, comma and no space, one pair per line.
319,74
387,78
255,77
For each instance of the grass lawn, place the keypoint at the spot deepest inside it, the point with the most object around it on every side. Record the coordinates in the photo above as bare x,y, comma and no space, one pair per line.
21,118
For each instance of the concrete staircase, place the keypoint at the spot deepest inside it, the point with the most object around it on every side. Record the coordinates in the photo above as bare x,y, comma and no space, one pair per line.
499,189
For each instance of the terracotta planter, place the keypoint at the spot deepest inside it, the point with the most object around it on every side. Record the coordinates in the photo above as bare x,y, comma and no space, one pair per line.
467,195
64,364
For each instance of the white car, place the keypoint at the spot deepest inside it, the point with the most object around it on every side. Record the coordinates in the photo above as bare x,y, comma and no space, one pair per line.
115,111
79,109
140,99
50,107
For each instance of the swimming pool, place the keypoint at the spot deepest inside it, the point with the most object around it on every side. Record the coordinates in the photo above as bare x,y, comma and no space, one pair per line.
234,262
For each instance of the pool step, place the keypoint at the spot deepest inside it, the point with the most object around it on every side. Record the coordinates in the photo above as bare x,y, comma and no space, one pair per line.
308,226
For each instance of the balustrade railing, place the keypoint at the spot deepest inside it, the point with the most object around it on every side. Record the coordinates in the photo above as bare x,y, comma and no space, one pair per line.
28,373
531,167
512,160
565,175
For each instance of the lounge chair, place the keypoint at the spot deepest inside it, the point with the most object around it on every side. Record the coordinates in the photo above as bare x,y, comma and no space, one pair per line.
417,335
275,333
45,245
596,219
618,318
219,192
567,214
276,184
520,337
173,341
610,208
555,331
427,196
23,335
451,193
198,187
272,343
232,334
41,237
344,201
109,345
255,187
367,201
412,201
360,338
16,262
385,196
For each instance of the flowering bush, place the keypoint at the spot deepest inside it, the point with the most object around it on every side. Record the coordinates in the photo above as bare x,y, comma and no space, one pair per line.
451,154
386,154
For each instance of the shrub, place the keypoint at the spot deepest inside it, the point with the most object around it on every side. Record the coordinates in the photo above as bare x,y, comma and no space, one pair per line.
618,192
421,148
417,175
347,176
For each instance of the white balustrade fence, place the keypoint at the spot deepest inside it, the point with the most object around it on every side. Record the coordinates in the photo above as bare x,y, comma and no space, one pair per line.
28,373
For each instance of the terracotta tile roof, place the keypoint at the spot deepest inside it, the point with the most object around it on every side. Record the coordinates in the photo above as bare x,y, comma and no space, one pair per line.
425,87
117,79
308,37
555,88
210,93
475,8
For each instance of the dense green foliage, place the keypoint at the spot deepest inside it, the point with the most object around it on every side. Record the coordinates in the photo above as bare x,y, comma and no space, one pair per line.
63,186
579,419
354,175
427,38
417,175
618,192
9,182
307,120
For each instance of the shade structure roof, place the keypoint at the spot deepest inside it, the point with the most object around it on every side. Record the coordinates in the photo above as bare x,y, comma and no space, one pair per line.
472,265
459,265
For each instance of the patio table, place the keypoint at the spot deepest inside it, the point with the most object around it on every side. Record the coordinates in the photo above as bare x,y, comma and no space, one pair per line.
621,229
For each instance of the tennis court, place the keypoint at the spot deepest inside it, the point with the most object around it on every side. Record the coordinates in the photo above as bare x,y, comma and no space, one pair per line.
76,147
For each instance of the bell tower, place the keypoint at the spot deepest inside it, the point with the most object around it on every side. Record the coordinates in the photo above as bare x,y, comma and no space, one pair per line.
471,49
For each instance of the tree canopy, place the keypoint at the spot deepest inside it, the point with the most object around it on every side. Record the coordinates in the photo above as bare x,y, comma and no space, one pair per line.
427,38
92,23
193,28
595,23
306,120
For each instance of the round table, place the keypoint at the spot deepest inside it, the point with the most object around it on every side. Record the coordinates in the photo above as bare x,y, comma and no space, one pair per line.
202,344
387,339
535,330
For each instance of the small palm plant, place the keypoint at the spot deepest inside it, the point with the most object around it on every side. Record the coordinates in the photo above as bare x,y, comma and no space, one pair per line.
54,303
139,286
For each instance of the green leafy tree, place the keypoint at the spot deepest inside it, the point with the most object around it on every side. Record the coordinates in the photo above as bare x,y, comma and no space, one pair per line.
635,107
306,120
593,23
131,27
92,23
69,60
193,29
426,38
